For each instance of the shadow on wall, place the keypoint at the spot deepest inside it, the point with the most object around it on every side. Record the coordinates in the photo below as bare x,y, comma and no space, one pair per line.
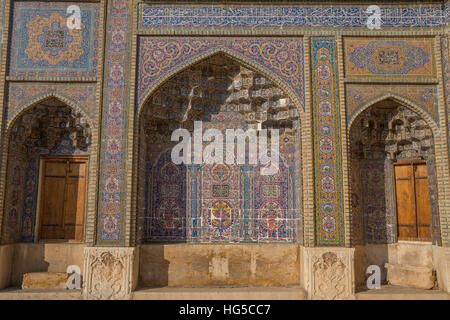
27,258
368,255
156,269
6,258
48,257
196,265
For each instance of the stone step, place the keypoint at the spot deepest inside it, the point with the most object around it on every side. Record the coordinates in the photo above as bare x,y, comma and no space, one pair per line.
45,280
221,293
389,292
410,276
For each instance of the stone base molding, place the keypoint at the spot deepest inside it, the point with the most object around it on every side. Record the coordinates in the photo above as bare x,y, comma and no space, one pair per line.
110,273
328,273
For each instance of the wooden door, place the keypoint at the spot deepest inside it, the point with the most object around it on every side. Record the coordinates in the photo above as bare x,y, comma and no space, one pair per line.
412,200
63,198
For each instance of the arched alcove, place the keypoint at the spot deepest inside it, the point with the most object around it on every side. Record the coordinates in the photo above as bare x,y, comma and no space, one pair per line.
392,175
44,133
218,202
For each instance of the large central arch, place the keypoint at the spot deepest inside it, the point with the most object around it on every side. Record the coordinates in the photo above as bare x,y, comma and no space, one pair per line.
224,94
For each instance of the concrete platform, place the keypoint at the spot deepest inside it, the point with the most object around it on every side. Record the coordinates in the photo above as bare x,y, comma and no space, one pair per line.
389,292
221,293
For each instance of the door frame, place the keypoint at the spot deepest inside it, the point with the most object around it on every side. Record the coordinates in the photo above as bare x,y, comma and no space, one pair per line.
394,188
38,222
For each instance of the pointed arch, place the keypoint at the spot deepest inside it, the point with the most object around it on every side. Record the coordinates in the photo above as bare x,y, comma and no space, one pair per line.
141,105
239,58
23,108
11,122
402,101
389,186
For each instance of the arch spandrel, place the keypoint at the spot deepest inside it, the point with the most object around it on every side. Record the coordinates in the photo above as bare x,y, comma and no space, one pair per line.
144,92
42,97
402,101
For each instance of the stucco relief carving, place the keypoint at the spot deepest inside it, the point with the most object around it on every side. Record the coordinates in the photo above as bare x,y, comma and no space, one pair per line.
329,273
110,273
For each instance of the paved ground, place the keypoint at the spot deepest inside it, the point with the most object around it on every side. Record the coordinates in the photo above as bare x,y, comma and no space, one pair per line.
228,293
389,292
55,294
221,293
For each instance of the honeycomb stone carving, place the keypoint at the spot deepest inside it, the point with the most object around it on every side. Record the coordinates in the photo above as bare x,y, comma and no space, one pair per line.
215,85
49,126
391,131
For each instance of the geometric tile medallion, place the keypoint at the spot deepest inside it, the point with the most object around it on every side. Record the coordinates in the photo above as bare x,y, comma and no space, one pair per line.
45,45
385,58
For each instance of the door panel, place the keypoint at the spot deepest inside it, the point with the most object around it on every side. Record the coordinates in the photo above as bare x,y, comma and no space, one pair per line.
53,168
422,202
63,198
74,209
405,202
412,200
53,206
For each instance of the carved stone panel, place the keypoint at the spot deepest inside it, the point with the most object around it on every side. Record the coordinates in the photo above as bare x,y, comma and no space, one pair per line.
329,273
110,273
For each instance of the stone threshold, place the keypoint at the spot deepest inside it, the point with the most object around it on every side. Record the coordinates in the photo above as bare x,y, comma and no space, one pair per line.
389,292
168,293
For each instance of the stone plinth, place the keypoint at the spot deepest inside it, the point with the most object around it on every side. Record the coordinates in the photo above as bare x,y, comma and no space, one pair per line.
328,273
45,280
410,276
110,273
